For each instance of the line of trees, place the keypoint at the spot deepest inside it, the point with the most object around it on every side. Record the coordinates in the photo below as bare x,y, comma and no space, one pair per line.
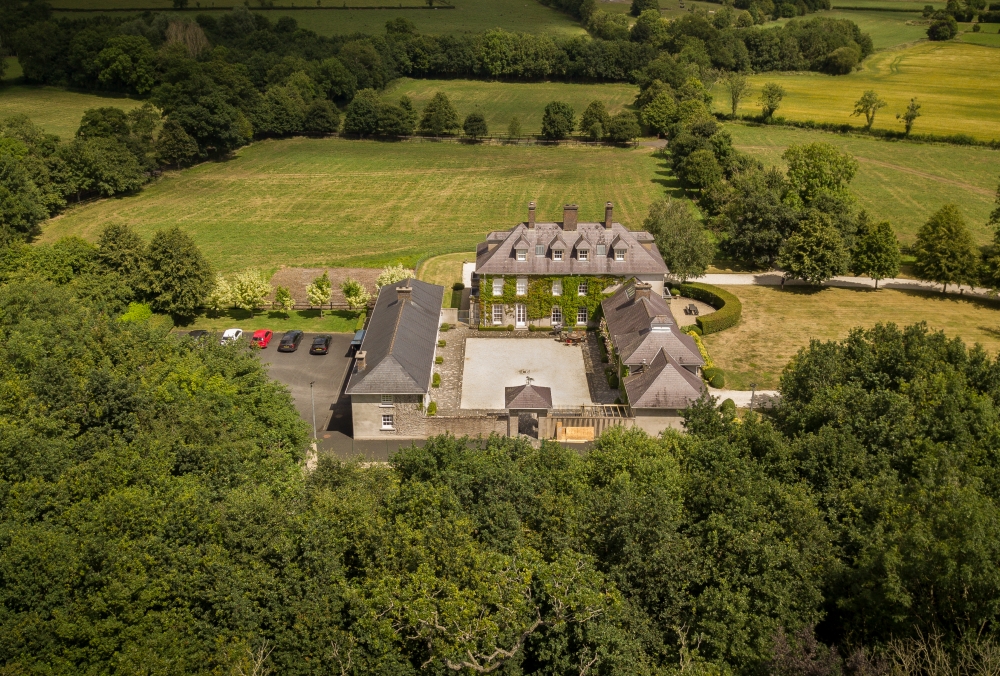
155,516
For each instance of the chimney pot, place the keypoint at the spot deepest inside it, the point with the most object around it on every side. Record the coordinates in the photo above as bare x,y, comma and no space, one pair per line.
608,211
404,293
531,214
642,290
359,359
569,217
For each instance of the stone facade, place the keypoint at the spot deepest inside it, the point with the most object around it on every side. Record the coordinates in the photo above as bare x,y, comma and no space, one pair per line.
655,420
406,409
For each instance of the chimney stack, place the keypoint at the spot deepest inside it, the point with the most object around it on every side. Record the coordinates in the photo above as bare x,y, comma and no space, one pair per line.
359,359
608,210
531,215
569,217
642,290
404,293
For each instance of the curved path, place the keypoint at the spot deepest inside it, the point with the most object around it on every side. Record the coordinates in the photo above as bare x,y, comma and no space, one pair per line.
774,277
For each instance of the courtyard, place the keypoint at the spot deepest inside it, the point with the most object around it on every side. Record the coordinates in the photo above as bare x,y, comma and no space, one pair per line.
491,364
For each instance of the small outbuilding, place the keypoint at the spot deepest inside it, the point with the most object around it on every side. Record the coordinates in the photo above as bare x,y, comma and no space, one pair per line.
526,398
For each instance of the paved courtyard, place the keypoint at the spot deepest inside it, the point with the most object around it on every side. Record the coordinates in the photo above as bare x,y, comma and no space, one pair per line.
491,364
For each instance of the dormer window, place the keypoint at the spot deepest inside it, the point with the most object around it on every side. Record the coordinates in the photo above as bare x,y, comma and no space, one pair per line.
522,254
619,254
539,249
582,254
557,254
602,250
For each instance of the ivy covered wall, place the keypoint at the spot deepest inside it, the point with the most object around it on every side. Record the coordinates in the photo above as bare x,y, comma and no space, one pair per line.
539,299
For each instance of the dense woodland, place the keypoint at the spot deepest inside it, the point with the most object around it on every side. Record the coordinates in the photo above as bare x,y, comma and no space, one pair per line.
155,516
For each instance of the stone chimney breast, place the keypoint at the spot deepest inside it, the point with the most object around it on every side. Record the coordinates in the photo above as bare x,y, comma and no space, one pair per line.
642,290
404,293
569,217
359,359
608,214
531,215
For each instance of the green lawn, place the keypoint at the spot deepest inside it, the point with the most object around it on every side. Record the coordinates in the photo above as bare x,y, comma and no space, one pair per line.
316,202
915,5
888,29
57,111
445,270
499,101
13,70
468,16
957,85
988,35
903,182
749,352
336,321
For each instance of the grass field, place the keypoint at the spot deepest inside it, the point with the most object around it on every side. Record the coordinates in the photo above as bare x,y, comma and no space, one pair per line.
314,202
957,85
499,101
468,16
13,70
445,270
903,182
888,29
750,352
988,35
57,111
336,321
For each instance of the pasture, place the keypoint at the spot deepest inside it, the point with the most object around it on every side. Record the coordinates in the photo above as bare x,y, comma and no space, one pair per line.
317,202
749,353
56,110
888,29
901,181
500,101
956,84
467,16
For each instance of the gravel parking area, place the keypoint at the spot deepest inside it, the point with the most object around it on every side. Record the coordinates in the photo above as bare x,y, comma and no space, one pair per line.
491,364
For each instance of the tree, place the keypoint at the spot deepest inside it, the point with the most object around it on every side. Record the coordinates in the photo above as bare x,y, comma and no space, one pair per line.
876,250
391,274
595,121
106,122
558,121
249,290
770,98
815,252
440,117
514,127
943,29
127,63
283,300
179,276
221,295
321,116
356,294
362,115
22,203
737,85
945,250
700,169
868,105
121,250
624,127
910,116
681,239
817,169
320,292
640,6
100,166
660,113
475,126
174,146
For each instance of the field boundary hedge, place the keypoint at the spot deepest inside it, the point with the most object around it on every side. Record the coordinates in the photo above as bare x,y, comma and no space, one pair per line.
844,128
231,7
728,308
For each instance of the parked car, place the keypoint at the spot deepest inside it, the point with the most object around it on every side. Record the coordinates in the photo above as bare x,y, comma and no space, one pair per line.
231,336
290,341
321,344
262,338
359,336
198,334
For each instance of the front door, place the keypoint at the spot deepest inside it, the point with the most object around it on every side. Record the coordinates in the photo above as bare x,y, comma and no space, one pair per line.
520,316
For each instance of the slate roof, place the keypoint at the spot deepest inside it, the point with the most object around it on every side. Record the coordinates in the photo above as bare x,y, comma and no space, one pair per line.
641,327
527,397
663,384
400,341
496,255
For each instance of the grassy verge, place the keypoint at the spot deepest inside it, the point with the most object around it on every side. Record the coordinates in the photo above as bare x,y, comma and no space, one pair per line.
333,202
776,324
472,16
445,270
900,181
956,84
57,111
336,321
499,101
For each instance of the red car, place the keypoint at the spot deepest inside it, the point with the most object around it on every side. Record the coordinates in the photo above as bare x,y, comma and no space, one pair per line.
261,338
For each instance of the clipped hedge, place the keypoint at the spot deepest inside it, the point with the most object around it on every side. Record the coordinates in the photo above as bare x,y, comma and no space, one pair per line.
728,308
360,324
715,377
